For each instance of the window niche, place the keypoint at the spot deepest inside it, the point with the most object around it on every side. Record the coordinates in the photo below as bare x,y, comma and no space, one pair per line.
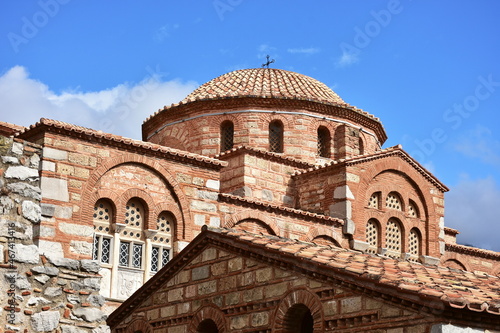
276,136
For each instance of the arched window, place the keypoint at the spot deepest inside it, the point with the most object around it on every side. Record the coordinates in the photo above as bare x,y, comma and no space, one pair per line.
414,244
393,201
413,209
324,139
298,319
361,146
373,235
131,244
393,238
102,218
207,326
374,201
276,136
162,241
226,135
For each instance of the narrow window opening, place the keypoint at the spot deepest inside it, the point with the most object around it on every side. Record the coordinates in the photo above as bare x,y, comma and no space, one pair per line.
226,136
298,319
276,136
207,326
324,139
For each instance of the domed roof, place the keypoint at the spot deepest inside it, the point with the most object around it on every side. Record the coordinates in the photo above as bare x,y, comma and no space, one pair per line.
267,83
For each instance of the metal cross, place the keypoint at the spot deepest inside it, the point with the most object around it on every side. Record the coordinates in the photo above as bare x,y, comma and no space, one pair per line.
268,62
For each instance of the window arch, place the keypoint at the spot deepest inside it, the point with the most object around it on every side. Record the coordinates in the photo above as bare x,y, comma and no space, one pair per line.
393,201
131,243
226,135
374,201
413,209
393,239
324,142
162,241
373,235
414,242
207,326
361,146
276,136
298,319
102,219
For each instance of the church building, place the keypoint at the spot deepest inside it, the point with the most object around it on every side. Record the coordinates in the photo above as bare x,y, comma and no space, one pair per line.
262,202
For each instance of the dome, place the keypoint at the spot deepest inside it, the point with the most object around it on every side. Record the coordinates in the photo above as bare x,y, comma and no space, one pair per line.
265,83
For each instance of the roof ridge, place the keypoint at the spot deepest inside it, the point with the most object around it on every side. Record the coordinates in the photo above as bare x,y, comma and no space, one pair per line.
119,139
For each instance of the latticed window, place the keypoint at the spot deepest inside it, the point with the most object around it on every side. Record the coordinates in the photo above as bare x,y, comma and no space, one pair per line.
393,238
102,217
412,209
393,201
276,136
130,254
134,219
226,135
162,241
414,244
324,139
372,236
373,202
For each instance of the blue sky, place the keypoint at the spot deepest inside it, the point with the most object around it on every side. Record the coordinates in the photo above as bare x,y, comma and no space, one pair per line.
429,70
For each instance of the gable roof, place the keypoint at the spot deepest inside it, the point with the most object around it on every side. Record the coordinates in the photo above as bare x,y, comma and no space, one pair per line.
429,288
118,141
387,152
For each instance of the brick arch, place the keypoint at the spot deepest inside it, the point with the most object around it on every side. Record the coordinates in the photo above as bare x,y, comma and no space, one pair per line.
174,210
179,136
287,120
139,324
455,263
110,196
155,167
399,166
208,312
143,196
296,297
322,231
234,219
456,258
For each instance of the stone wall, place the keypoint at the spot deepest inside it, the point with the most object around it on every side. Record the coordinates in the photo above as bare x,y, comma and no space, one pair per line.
39,293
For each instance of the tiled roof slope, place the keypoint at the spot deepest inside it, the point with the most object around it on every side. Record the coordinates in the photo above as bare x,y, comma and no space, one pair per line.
454,288
391,151
112,139
428,287
9,129
265,82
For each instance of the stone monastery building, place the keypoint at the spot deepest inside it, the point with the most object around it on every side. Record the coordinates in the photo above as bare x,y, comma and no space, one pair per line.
262,202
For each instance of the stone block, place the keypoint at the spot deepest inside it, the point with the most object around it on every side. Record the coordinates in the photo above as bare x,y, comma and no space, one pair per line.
350,304
52,271
26,190
214,221
76,229
54,154
26,253
6,205
90,265
17,148
207,195
72,329
63,212
51,250
259,319
48,166
53,291
31,211
10,160
53,188
20,281
238,322
45,321
48,210
359,245
264,274
200,273
343,192
204,206
81,247
21,172
213,184
207,287
199,219
235,264
90,314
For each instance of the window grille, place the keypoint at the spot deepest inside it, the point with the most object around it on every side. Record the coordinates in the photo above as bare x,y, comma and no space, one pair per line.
324,142
164,225
373,201
227,136
393,202
159,258
412,209
393,238
102,211
276,136
165,257
372,236
136,255
124,254
134,219
414,245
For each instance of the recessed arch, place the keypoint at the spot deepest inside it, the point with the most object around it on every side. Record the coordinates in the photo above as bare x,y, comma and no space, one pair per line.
232,220
299,303
255,226
324,139
226,135
139,325
208,318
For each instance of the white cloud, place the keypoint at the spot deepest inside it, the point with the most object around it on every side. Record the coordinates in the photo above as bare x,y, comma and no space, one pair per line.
308,51
472,207
479,143
265,50
118,110
347,59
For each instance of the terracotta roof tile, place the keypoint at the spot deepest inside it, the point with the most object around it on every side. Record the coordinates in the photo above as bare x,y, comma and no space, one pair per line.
456,288
117,139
